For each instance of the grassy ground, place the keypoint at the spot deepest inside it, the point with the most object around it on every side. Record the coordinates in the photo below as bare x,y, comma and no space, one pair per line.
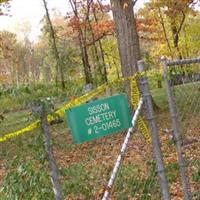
84,169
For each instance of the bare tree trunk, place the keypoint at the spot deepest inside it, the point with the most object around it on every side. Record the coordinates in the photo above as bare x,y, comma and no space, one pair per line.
85,60
56,54
176,40
165,32
105,78
175,33
95,50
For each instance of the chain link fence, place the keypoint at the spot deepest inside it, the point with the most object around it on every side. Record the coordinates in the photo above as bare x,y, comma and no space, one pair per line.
182,78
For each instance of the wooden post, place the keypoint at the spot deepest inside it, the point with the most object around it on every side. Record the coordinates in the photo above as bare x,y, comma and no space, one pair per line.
40,109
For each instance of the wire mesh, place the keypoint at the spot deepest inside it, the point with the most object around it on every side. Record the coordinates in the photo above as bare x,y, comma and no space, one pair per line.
137,178
185,82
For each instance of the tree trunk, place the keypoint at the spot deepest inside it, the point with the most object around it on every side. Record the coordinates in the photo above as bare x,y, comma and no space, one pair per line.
105,77
127,37
82,44
164,31
176,40
54,46
97,63
85,60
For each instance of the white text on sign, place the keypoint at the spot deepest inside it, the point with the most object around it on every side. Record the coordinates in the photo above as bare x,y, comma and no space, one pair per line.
101,118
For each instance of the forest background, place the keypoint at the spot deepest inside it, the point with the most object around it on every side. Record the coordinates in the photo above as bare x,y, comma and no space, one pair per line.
83,48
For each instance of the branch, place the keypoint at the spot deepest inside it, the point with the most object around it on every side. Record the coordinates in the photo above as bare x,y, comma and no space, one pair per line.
181,24
99,38
192,3
74,7
87,16
164,30
134,2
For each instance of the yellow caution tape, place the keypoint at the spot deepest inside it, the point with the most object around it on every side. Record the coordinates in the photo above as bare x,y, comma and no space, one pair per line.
143,128
135,94
20,132
80,100
135,97
60,112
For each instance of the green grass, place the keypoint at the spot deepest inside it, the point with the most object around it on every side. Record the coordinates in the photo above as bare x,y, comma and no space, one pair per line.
196,174
186,97
27,181
196,177
24,160
81,181
131,184
14,121
160,98
172,172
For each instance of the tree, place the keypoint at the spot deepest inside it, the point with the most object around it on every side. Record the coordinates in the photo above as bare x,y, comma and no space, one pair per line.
16,59
76,21
68,52
127,37
99,29
190,40
91,24
54,46
171,14
7,55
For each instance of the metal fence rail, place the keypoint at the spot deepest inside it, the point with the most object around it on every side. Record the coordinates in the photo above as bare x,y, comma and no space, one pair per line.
181,62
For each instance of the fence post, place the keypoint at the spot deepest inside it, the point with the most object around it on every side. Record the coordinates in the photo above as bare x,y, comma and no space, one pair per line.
40,109
173,113
154,133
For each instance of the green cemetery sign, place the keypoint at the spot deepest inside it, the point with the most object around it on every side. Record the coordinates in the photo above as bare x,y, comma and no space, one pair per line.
98,118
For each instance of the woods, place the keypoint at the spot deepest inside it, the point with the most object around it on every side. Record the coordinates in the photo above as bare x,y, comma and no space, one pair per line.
86,52
84,41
